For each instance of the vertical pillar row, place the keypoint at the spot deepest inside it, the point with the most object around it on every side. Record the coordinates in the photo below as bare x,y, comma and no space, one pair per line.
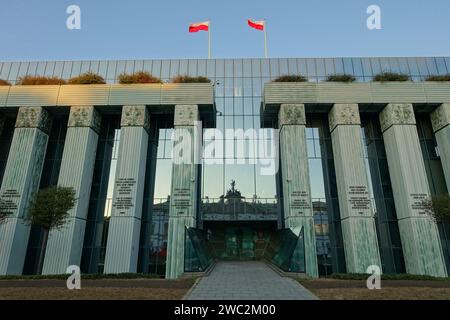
122,247
357,217
64,247
184,190
418,232
20,183
440,118
298,211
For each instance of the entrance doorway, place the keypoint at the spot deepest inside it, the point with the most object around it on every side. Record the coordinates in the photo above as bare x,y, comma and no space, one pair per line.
240,240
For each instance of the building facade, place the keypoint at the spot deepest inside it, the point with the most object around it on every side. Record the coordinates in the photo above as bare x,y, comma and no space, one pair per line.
353,164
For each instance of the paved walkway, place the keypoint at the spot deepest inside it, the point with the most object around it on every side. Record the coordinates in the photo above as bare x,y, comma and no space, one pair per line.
249,280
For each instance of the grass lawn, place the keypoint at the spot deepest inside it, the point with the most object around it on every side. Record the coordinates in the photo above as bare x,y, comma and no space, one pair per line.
139,289
332,289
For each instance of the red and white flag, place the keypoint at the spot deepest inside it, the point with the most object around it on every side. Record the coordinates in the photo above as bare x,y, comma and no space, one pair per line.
258,25
199,26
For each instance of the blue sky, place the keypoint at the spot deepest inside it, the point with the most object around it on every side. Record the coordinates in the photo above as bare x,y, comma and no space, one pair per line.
138,29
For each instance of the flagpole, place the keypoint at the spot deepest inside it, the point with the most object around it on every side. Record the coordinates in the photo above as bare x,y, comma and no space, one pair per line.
209,40
265,39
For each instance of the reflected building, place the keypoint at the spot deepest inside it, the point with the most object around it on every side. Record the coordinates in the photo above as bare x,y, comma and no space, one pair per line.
298,218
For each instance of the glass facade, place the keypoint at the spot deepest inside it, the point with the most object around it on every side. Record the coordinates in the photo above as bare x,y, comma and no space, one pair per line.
238,94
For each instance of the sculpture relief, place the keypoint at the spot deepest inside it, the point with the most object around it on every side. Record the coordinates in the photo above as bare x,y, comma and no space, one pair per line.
185,115
135,116
291,114
84,117
33,117
343,114
440,117
397,114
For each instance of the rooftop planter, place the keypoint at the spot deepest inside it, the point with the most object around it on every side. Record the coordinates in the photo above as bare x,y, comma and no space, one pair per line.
163,95
87,78
363,93
290,78
138,77
346,78
39,81
388,76
189,79
445,77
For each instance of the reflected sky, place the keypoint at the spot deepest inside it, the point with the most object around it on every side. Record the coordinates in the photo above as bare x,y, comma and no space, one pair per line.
238,92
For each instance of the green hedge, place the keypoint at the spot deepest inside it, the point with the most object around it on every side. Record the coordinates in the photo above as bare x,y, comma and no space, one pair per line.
138,77
291,78
402,276
189,79
83,276
445,77
347,78
87,78
39,81
391,76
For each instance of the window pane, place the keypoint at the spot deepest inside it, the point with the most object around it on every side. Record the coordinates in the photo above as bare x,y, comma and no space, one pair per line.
329,66
292,65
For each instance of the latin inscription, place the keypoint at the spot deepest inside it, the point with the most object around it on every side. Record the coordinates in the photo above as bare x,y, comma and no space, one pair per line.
124,199
300,201
358,197
418,202
9,205
181,200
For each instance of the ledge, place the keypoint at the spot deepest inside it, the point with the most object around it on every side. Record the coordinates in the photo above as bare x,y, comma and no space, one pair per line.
201,94
361,93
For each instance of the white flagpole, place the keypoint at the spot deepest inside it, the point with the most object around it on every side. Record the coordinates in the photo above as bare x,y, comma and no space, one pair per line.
209,40
265,39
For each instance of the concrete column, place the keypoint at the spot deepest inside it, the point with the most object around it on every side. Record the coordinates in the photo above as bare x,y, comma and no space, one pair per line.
357,218
184,190
65,246
20,183
440,118
125,225
419,234
298,211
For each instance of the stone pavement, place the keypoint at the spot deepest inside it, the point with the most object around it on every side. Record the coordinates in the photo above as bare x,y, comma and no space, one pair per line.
248,280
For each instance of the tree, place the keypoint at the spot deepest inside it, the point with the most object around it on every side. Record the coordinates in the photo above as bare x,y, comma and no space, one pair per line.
439,208
50,209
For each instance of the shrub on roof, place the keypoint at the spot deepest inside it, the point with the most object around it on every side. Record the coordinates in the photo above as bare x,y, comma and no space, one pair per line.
445,77
391,76
87,78
189,79
290,78
341,78
39,80
138,77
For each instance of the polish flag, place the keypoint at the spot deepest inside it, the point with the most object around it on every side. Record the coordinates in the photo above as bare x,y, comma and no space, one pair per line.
258,25
199,26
